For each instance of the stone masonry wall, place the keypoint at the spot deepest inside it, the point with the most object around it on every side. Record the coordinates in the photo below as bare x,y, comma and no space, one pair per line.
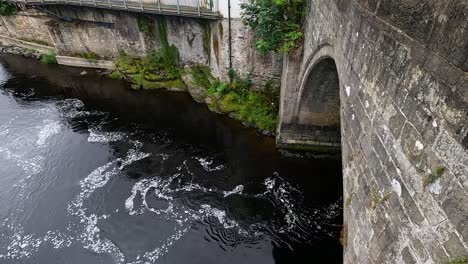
107,32
402,67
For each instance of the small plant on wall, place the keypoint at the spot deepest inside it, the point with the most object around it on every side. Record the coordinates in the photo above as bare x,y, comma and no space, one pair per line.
6,9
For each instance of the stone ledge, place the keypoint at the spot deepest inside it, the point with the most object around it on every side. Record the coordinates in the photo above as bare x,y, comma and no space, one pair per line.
26,44
85,63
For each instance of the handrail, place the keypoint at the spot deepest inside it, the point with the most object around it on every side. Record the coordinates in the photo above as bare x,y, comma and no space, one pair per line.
194,8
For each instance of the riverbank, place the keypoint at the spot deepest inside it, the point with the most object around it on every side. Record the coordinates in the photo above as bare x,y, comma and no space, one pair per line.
236,99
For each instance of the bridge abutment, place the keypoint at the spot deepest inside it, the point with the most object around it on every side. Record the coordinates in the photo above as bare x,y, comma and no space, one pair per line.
404,122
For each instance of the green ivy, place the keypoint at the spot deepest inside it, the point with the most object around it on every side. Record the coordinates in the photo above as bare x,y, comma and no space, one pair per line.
6,9
277,23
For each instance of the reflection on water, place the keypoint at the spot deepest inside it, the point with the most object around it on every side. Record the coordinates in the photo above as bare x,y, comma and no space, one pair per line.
92,172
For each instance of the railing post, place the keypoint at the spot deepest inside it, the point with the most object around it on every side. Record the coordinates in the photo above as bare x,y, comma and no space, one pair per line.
198,7
94,2
125,4
109,3
159,5
141,5
178,7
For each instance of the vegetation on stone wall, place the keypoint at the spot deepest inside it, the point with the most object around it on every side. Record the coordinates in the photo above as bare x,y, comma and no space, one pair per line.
169,53
6,9
378,198
238,99
435,174
460,260
150,72
344,236
277,23
89,55
49,58
145,26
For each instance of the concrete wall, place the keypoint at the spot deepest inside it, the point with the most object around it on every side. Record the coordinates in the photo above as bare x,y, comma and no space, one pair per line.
402,67
106,32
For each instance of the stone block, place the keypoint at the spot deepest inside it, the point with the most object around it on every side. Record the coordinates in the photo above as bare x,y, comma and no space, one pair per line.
456,208
407,256
454,246
410,207
396,123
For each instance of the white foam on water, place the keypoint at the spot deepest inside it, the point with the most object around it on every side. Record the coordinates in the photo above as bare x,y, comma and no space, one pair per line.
99,136
90,234
281,191
50,129
206,164
23,246
152,256
237,190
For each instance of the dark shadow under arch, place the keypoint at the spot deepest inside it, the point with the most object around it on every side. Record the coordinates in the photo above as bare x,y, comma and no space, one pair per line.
318,111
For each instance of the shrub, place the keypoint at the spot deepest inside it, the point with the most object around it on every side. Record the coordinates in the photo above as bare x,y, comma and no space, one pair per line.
49,58
277,23
7,9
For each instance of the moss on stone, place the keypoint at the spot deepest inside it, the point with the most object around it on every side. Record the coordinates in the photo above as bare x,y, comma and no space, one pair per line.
116,75
201,76
229,103
89,55
146,26
377,198
435,174
170,54
49,58
207,38
459,260
148,73
348,200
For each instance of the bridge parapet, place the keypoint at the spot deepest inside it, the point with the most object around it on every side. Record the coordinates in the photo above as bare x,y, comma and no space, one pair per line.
189,8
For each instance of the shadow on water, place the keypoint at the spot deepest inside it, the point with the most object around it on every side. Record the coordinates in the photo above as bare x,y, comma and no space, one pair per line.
304,191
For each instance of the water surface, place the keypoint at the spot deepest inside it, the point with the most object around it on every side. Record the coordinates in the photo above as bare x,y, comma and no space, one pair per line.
93,172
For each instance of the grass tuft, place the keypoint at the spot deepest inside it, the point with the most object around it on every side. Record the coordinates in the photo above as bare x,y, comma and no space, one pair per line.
435,174
49,58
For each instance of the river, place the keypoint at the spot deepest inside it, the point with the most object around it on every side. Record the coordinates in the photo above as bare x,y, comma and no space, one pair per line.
94,172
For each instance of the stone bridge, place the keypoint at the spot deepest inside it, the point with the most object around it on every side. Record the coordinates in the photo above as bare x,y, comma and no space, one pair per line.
386,80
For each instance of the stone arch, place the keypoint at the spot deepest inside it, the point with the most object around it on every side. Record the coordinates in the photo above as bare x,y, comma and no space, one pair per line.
317,110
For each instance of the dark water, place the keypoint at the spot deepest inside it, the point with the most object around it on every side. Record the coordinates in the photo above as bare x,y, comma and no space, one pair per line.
92,172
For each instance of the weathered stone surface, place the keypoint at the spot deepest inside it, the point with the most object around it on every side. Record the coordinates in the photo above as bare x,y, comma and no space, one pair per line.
404,110
107,33
198,93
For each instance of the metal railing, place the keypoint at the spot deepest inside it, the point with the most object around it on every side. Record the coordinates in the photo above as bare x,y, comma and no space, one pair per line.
191,8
